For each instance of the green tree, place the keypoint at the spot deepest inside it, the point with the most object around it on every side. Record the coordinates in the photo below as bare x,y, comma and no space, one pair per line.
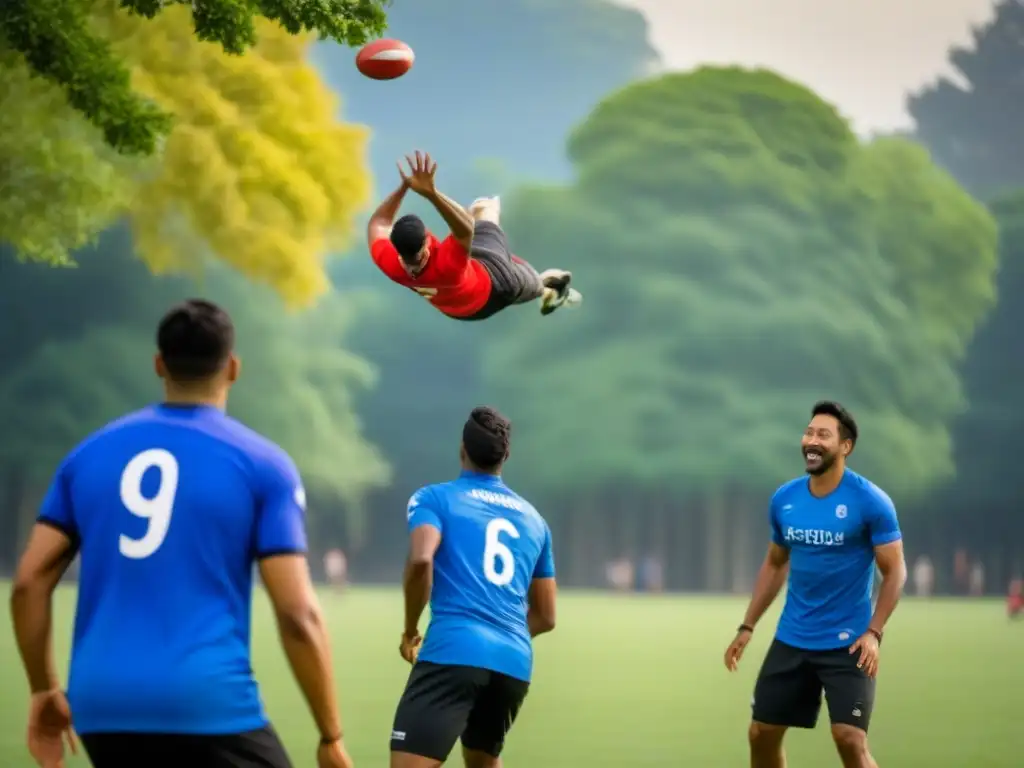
972,126
61,184
67,372
257,170
940,244
59,42
994,378
729,236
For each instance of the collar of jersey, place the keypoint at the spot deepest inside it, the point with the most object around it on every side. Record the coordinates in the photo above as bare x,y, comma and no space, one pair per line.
480,477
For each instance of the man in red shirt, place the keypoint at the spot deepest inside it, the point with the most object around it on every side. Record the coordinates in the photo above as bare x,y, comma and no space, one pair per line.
471,274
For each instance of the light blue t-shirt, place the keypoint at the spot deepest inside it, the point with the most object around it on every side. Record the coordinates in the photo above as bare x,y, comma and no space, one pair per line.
171,506
831,542
493,544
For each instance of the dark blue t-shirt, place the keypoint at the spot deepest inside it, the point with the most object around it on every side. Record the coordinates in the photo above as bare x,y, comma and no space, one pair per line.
172,506
493,544
831,541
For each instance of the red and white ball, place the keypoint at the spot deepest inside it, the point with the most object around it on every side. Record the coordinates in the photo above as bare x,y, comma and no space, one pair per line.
385,59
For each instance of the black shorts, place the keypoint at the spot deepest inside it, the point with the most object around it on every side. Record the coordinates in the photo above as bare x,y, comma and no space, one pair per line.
789,687
444,703
255,749
513,281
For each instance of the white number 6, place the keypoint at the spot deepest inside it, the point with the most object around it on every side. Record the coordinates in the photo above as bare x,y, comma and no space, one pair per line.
495,551
156,510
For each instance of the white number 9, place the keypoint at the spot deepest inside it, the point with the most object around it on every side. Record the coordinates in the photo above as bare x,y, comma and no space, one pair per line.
495,551
156,510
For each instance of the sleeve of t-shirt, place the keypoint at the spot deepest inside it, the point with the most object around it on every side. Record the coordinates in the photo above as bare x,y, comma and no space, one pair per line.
545,568
56,510
773,519
881,519
423,509
384,254
281,525
451,256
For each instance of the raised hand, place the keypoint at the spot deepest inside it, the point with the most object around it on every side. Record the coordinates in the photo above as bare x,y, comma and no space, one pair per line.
420,175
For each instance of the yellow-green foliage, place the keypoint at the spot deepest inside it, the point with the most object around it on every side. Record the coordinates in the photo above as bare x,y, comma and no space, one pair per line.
256,171
58,181
256,165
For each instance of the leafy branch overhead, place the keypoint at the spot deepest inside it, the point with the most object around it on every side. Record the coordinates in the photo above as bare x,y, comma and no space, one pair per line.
62,41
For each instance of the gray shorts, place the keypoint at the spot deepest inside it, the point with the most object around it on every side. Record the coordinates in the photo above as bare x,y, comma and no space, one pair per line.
513,281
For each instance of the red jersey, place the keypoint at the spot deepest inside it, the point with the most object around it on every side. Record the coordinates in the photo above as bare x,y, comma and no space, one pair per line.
456,284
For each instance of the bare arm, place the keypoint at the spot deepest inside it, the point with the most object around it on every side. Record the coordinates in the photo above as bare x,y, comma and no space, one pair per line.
304,637
891,562
458,219
419,574
770,580
384,217
541,616
47,557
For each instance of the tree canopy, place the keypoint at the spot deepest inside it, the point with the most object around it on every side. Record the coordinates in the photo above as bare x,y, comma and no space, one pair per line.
739,260
61,184
66,373
972,124
59,41
256,171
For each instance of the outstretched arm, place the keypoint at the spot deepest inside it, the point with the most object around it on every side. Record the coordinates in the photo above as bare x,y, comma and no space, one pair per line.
384,217
420,179
458,219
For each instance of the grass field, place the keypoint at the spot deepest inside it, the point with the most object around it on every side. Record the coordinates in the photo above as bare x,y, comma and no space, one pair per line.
638,681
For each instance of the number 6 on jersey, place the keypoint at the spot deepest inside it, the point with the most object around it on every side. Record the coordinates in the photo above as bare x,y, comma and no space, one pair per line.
495,551
157,510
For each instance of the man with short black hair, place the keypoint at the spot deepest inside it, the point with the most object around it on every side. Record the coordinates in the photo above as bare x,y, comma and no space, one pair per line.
471,274
170,507
828,532
481,555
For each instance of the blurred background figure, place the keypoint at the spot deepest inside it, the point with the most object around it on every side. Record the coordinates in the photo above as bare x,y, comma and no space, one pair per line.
652,574
336,568
976,579
924,576
1015,600
620,573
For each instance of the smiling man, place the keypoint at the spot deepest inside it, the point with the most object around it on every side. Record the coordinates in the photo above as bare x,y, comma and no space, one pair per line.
829,530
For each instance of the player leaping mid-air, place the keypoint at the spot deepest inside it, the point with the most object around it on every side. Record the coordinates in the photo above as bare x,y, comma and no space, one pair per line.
469,275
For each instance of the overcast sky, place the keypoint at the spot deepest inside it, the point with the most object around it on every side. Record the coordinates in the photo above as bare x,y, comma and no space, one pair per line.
861,55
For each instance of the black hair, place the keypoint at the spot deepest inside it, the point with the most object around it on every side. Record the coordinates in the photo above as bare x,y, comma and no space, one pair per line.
847,424
486,438
195,340
408,236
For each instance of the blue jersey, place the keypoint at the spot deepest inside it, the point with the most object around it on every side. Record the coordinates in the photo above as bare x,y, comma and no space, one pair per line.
171,507
493,544
831,543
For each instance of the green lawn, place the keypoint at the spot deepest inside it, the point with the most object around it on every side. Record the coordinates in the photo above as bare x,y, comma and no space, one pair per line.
638,681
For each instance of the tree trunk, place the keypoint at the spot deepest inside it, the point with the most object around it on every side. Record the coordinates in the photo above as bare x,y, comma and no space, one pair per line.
716,567
743,557
578,546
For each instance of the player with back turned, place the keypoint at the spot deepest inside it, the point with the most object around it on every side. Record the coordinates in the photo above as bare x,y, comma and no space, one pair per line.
828,531
170,508
481,555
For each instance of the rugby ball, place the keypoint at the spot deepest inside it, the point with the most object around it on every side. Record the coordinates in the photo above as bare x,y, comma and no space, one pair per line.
385,59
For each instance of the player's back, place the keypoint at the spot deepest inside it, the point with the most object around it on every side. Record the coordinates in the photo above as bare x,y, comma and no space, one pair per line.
165,503
493,544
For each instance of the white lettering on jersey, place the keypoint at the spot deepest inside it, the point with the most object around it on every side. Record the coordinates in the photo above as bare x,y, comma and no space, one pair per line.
500,499
815,536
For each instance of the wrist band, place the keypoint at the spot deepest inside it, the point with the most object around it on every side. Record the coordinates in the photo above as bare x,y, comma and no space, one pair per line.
745,628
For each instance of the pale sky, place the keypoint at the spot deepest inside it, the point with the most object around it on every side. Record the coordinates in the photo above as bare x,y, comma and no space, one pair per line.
860,55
